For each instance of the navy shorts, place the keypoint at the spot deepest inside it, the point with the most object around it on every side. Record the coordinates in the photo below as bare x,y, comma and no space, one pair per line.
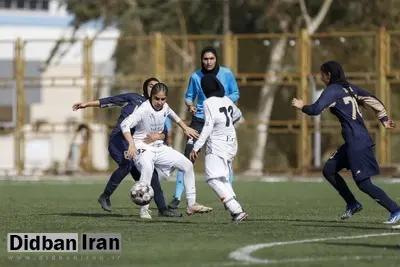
117,146
361,162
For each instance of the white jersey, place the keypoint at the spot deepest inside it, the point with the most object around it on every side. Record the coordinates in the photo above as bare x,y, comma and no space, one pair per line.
220,113
147,120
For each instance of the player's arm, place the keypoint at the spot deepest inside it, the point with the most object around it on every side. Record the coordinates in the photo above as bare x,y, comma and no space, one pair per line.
190,95
186,129
237,114
105,102
207,129
205,132
373,102
326,99
126,125
233,87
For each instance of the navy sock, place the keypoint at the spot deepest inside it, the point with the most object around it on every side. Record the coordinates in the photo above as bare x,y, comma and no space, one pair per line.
378,195
116,178
158,193
337,181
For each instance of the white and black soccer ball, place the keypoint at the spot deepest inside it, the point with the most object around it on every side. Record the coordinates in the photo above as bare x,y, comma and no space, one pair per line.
141,193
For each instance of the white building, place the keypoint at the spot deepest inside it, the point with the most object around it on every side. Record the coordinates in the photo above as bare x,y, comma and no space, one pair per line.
40,23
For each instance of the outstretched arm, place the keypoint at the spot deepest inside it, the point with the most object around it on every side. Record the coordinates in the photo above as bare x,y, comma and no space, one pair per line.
207,129
112,101
326,99
187,130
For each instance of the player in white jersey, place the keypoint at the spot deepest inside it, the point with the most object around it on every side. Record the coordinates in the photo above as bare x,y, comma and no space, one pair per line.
219,134
149,118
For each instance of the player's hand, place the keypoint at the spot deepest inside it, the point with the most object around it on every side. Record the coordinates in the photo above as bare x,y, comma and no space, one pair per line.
193,156
191,132
192,109
389,124
77,106
298,103
151,137
131,152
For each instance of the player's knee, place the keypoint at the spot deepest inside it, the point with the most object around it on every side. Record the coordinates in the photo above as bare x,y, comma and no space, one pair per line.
187,165
329,169
124,169
364,185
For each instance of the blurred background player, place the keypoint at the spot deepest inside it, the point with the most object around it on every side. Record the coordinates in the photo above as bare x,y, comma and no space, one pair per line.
209,64
220,113
356,154
148,118
118,146
168,125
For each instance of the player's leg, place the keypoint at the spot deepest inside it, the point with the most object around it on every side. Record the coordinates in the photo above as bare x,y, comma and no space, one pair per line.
169,159
335,163
198,125
217,175
116,148
363,166
158,197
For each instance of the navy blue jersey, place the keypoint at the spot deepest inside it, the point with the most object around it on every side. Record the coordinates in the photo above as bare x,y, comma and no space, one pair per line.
129,102
345,107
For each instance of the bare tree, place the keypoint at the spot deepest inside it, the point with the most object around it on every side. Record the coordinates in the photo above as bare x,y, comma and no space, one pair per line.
270,87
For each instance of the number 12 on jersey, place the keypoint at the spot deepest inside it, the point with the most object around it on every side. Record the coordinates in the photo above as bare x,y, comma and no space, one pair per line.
225,111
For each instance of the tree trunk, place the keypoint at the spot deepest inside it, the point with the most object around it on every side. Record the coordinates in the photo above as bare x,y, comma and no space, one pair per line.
265,104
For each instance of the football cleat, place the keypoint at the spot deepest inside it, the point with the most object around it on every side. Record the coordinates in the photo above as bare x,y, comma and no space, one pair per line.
197,208
351,210
105,202
394,218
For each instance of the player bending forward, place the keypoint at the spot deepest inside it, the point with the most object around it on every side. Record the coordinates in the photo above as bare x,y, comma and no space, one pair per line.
220,113
149,118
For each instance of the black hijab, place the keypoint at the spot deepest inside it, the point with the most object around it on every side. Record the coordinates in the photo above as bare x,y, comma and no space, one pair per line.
337,73
146,82
212,86
216,68
338,77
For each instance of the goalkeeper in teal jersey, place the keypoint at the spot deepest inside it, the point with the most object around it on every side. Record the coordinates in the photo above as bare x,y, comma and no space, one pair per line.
209,59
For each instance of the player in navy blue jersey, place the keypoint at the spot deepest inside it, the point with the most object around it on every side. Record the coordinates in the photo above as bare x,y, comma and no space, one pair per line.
118,146
344,101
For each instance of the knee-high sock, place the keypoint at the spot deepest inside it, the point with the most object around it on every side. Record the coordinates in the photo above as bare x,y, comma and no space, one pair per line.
338,183
179,186
186,166
378,195
221,187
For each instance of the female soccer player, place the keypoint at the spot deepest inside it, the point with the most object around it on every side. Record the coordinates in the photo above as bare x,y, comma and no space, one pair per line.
148,118
344,101
117,146
220,113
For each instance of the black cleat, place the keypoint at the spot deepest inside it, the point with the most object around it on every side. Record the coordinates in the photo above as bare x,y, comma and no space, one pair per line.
105,202
169,213
174,204
351,210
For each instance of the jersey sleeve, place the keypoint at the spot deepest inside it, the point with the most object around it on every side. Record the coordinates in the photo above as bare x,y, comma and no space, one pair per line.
237,114
207,129
117,100
373,102
233,87
191,91
173,116
131,121
327,98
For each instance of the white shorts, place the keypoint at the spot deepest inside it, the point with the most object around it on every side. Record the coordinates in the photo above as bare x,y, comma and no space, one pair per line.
217,167
162,157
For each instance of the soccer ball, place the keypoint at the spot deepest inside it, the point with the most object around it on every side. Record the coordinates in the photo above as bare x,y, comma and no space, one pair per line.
141,193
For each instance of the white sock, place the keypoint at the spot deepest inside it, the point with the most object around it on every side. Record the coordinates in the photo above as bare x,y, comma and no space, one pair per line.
225,193
186,166
145,207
